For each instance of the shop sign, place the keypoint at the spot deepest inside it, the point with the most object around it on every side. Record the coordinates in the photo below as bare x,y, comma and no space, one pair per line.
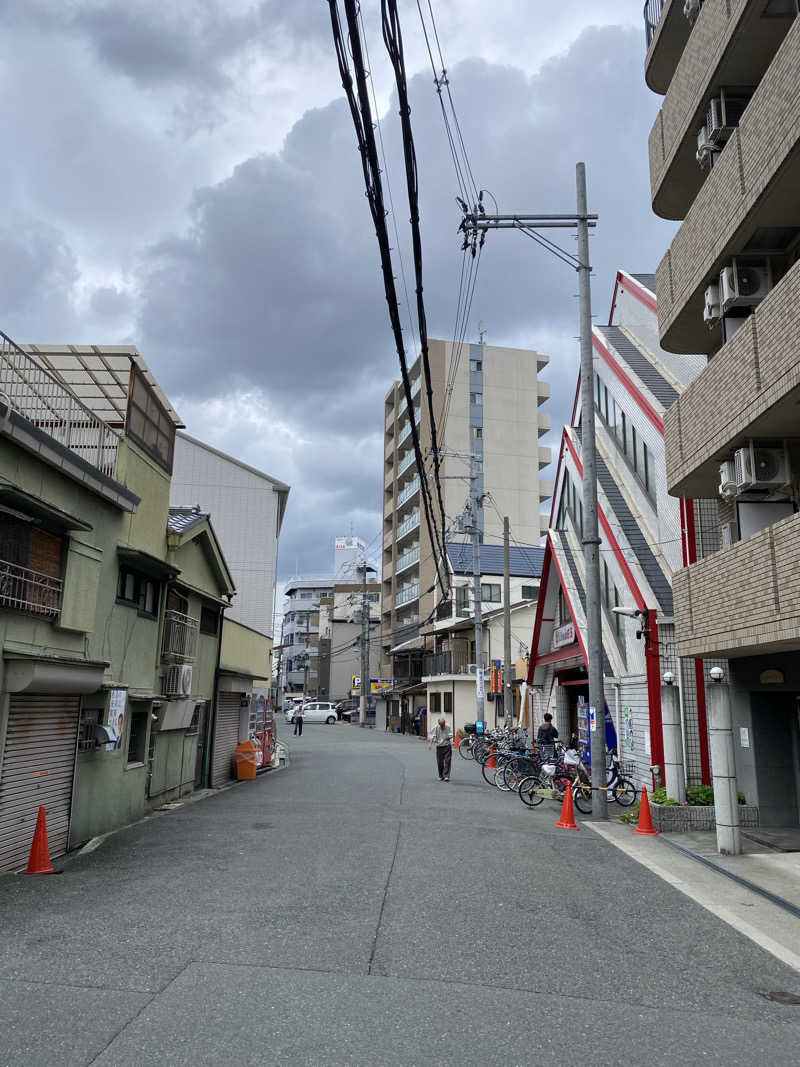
563,635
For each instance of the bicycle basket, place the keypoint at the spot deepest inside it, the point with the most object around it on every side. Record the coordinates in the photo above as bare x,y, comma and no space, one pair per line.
548,768
571,758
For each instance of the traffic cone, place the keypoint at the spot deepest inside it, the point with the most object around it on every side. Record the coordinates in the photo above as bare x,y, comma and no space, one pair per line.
491,763
645,818
567,820
39,859
457,740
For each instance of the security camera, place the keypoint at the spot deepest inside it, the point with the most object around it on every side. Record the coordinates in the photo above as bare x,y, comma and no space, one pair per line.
669,677
717,674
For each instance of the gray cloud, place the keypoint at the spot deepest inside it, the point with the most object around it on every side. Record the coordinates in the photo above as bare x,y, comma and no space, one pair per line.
38,274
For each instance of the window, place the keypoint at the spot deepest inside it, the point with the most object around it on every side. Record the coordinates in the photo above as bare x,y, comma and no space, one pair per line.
448,703
90,717
611,599
373,598
436,706
137,738
490,593
138,591
476,366
529,592
209,621
628,438
476,398
148,423
462,600
306,595
477,433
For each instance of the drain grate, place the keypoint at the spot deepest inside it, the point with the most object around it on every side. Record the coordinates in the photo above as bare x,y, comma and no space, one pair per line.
783,998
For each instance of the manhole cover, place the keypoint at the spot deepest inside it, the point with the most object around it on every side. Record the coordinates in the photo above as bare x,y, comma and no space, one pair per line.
783,998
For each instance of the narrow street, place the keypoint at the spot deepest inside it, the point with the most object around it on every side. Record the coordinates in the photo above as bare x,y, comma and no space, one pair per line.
351,909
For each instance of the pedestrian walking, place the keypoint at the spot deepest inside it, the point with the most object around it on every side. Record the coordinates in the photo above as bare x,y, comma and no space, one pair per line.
442,737
298,722
547,735
416,722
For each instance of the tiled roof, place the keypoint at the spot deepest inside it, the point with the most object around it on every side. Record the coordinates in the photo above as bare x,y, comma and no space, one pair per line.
638,361
647,280
182,519
525,562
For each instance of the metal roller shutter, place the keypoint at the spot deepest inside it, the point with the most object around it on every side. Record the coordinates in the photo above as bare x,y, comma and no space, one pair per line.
38,768
226,737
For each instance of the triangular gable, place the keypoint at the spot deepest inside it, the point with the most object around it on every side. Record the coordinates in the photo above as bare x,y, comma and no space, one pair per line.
203,534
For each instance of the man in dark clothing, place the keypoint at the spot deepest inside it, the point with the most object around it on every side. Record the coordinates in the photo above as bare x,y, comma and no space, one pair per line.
298,722
547,734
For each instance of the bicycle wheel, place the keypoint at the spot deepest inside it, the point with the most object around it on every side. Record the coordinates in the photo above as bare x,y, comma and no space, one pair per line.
528,791
489,772
513,774
624,792
500,779
466,750
582,796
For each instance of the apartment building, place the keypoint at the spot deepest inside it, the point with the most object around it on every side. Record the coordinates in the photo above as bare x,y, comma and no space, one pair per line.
486,401
725,160
300,639
340,634
647,536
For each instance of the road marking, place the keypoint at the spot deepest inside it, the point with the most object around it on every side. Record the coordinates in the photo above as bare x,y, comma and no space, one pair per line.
706,897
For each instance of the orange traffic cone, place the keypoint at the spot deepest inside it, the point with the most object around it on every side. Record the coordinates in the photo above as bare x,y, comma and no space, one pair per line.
567,820
39,859
457,740
491,763
645,818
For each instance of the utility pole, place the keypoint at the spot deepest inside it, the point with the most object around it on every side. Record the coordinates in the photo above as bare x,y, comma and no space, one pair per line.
476,532
473,224
508,692
364,694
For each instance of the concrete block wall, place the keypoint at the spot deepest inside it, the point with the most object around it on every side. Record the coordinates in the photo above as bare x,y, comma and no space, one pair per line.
758,366
744,599
768,134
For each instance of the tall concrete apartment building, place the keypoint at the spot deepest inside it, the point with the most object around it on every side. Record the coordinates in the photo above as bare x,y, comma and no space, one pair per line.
725,159
492,398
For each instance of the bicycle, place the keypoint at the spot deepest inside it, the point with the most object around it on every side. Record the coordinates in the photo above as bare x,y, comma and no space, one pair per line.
619,789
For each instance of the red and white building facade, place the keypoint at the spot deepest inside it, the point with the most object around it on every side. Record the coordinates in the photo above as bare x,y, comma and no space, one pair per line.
646,536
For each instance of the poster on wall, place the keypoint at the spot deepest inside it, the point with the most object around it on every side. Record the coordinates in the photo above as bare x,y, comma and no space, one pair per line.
627,729
115,719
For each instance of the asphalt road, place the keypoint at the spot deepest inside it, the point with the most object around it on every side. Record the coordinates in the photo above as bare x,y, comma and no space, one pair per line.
352,909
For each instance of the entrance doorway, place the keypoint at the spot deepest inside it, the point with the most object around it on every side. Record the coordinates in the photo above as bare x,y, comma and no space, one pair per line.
776,737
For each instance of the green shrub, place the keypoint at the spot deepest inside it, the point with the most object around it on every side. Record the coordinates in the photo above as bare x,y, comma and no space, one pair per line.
631,815
659,796
700,795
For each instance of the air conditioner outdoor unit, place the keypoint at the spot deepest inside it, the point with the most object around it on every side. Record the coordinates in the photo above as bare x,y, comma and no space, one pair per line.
727,479
723,115
178,680
761,467
712,311
745,283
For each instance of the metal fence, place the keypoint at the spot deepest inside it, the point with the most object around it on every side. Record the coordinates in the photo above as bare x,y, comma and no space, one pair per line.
31,591
42,399
180,636
652,16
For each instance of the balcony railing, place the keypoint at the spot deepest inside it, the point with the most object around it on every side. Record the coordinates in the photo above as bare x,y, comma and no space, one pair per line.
404,434
409,524
43,400
458,661
22,589
405,596
408,492
406,461
652,17
180,636
407,559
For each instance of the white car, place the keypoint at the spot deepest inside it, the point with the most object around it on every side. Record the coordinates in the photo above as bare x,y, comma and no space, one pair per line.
315,711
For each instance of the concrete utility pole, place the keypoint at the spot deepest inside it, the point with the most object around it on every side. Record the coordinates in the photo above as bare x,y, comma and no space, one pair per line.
472,224
364,695
476,533
508,691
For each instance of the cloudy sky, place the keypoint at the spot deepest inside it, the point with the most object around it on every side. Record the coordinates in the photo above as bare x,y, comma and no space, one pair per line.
183,176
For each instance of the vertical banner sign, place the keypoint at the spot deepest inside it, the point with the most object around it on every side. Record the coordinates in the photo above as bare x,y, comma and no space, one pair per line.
479,683
115,721
592,718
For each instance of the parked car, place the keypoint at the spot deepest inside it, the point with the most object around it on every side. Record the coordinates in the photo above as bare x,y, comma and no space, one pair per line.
315,711
352,712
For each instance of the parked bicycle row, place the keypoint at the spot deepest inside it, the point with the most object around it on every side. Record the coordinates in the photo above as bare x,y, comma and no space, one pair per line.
542,771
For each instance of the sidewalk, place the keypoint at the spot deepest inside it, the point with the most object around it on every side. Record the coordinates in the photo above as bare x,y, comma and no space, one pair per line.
690,863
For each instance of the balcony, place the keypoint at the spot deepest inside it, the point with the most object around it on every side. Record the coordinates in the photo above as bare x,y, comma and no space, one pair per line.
410,490
666,32
406,596
542,393
51,407
407,559
543,423
457,661
28,591
752,189
404,433
545,489
724,51
545,457
180,636
750,389
406,461
407,525
743,600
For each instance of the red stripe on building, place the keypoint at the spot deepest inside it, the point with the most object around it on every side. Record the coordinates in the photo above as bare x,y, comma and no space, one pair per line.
638,396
